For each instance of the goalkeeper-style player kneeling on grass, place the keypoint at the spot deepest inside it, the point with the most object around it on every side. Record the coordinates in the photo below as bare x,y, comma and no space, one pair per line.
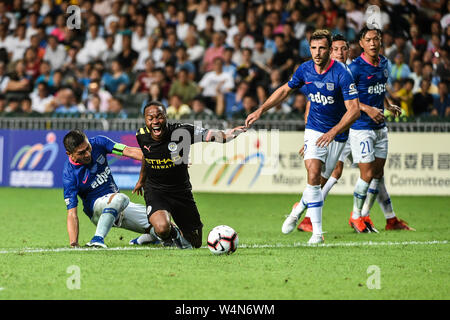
86,174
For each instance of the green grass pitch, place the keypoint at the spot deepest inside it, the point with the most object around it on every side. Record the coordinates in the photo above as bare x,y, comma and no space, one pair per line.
267,265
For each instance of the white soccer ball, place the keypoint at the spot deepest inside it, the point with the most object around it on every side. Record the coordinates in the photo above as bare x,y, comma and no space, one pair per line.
223,240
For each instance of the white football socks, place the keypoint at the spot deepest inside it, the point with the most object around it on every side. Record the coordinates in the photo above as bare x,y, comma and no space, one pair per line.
359,197
372,194
384,200
327,187
105,222
313,197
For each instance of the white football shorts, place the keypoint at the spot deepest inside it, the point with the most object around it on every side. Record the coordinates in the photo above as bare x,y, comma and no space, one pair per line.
346,153
367,145
328,155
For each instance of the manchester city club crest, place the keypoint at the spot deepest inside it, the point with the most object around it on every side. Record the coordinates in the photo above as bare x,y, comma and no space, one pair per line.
172,146
330,86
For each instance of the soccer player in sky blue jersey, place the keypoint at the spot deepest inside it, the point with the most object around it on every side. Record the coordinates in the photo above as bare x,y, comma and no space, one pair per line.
86,174
334,107
368,135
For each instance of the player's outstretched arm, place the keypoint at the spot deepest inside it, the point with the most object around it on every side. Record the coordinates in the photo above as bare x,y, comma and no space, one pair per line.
226,135
352,114
394,109
132,152
72,226
275,99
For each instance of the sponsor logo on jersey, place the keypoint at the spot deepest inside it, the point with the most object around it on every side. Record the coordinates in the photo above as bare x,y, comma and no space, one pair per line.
319,98
352,89
101,178
378,88
161,163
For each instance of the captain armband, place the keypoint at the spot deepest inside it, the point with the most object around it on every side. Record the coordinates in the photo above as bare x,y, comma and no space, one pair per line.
118,149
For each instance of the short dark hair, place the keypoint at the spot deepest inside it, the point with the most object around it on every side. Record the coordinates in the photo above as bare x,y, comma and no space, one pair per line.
366,29
154,103
339,37
73,139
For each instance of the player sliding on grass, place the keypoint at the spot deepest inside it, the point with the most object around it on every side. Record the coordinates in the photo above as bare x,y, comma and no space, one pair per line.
164,174
87,175
334,107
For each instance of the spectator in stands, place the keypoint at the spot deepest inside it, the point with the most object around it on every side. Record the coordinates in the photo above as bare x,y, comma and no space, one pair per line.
330,13
40,97
2,104
177,109
283,59
32,63
400,70
46,74
298,106
58,81
60,30
94,103
228,64
95,89
155,94
145,78
199,110
215,82
117,81
418,42
17,44
232,101
217,49
127,57
108,54
19,82
441,105
304,51
206,35
249,71
261,55
4,38
4,79
139,40
428,72
416,75
183,87
184,63
405,96
26,109
422,100
402,45
269,43
275,81
194,50
343,29
13,107
64,102
182,25
93,46
249,106
115,108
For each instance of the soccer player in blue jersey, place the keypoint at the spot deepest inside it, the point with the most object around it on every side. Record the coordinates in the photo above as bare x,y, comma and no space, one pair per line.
339,52
368,135
334,107
86,174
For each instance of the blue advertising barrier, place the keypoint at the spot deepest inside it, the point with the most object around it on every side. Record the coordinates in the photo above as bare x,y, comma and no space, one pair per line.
36,158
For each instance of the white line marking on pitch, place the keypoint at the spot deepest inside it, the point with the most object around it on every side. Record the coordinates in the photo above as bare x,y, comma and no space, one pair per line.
244,246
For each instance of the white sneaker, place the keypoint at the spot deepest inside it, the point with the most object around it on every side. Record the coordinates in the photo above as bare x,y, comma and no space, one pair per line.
289,224
316,239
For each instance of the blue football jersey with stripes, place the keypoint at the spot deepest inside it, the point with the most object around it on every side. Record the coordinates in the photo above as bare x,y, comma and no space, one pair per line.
327,93
89,181
371,83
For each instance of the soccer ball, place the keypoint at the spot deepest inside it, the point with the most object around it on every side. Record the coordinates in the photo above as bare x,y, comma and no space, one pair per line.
223,239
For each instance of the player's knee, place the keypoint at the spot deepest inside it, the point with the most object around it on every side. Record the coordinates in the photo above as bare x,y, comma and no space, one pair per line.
118,201
161,222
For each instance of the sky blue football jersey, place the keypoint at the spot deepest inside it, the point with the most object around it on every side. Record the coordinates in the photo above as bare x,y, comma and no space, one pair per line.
371,84
89,181
327,93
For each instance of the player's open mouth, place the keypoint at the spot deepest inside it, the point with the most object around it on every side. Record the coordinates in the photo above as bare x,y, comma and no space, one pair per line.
156,130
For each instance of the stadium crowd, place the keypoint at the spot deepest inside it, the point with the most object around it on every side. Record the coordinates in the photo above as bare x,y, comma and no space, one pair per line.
204,59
